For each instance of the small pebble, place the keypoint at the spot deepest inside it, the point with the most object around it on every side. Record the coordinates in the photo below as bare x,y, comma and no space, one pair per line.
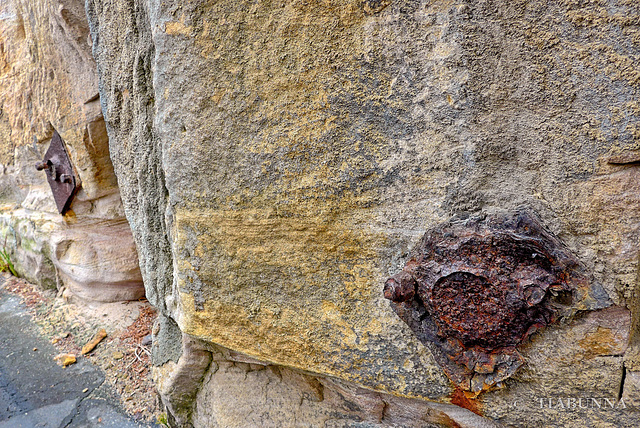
65,359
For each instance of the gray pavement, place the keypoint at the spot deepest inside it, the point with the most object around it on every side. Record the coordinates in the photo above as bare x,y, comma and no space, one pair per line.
36,392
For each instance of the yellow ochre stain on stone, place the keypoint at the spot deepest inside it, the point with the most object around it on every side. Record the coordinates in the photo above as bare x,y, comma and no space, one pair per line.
602,341
175,28
292,319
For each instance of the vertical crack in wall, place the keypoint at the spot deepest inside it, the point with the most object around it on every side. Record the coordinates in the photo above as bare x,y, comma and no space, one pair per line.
624,376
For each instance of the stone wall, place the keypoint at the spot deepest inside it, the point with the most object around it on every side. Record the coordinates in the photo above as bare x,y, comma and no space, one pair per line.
278,161
48,82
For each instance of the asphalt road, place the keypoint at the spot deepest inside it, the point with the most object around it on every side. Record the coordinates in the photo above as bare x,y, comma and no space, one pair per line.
36,392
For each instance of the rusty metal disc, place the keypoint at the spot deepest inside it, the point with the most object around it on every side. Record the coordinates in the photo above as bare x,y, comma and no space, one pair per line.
473,290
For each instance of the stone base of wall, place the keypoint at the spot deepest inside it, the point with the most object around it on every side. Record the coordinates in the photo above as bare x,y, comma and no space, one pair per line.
210,386
206,385
91,259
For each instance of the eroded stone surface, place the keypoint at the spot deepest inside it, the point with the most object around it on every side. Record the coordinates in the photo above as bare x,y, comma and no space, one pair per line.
49,81
97,260
240,391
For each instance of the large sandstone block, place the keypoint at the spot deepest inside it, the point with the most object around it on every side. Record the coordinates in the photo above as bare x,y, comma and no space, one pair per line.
279,160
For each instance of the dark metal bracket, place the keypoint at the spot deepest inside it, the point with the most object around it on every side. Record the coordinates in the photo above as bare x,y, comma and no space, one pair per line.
60,173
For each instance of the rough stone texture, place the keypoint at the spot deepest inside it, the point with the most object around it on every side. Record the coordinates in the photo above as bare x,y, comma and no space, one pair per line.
240,391
92,262
129,102
167,343
48,81
596,343
180,381
279,160
631,392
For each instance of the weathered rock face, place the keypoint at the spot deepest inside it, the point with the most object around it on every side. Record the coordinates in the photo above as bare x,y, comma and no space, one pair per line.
49,81
280,160
239,391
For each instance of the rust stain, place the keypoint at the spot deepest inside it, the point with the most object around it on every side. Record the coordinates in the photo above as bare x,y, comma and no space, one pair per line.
473,290
461,398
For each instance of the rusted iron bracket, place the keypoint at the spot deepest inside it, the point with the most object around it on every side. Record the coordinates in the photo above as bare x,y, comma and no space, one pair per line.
60,174
473,290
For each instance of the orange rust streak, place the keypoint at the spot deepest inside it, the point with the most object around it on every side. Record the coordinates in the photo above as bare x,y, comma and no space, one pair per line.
459,398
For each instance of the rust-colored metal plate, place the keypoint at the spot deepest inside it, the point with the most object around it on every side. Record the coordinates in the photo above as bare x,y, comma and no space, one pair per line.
473,290
60,174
